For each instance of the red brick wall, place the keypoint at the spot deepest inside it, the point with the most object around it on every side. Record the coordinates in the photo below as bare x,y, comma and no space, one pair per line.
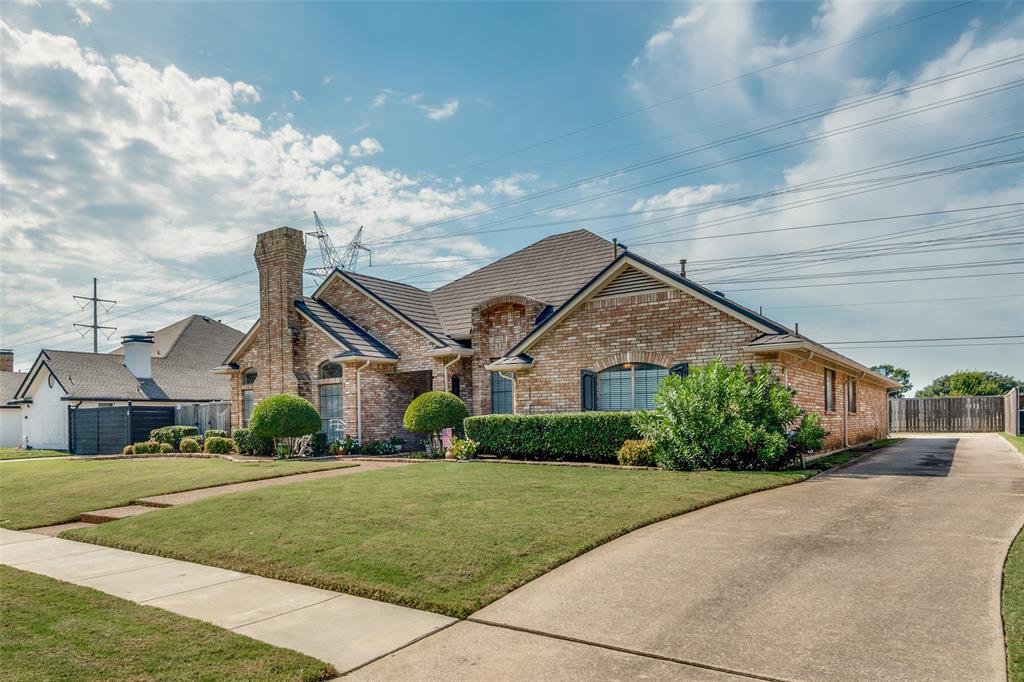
498,324
662,328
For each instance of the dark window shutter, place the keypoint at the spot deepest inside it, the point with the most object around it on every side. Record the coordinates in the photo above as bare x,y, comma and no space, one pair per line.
680,369
588,390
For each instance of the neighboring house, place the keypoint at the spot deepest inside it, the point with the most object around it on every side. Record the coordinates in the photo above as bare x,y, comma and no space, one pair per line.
569,323
166,367
10,415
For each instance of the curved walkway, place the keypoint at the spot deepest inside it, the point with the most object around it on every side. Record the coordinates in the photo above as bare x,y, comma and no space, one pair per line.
887,569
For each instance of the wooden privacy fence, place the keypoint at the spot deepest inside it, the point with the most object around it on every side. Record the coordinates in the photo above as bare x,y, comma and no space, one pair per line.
204,416
965,414
1013,409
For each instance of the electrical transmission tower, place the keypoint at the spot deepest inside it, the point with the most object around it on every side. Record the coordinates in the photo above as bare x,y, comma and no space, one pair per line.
329,254
95,326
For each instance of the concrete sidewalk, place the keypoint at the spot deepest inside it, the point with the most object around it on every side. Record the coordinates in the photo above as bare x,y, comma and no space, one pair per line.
340,629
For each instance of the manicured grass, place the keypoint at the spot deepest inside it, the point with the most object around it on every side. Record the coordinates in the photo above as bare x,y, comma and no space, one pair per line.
439,536
15,453
43,493
1015,441
1013,609
844,456
51,630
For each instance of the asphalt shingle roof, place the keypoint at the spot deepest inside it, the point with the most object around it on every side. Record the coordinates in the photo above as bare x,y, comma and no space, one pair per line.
414,303
189,347
356,340
9,383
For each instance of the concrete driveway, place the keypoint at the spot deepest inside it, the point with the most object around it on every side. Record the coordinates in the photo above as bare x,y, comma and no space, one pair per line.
889,569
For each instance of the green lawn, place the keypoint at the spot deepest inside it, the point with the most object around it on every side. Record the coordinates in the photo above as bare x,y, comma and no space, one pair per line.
1013,609
15,453
43,493
844,456
444,537
1015,441
51,630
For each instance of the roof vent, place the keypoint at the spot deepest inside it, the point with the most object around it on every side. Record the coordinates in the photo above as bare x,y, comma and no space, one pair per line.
138,349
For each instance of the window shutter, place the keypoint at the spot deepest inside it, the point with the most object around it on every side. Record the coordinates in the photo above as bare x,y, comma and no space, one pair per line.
588,390
680,369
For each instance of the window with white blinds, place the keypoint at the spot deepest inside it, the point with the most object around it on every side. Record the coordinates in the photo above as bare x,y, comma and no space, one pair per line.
629,387
501,394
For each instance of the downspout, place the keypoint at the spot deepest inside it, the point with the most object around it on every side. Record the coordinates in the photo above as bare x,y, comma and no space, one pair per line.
457,358
511,377
359,401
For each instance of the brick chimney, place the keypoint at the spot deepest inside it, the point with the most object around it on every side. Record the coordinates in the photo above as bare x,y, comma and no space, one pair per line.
6,360
280,257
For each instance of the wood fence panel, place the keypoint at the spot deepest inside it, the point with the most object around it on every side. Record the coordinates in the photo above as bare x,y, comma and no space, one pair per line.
204,416
966,414
1012,411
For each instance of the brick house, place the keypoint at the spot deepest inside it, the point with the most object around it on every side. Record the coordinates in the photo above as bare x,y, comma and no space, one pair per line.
572,322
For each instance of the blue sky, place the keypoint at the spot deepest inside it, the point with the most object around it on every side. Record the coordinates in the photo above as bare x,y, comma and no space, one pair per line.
145,143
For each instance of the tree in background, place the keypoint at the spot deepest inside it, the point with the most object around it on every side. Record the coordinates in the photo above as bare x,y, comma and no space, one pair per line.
897,374
969,382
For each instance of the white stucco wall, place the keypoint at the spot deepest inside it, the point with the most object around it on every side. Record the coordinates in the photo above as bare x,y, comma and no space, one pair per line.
47,423
10,428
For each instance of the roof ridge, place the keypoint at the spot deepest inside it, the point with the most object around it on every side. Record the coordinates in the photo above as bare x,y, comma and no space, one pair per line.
389,281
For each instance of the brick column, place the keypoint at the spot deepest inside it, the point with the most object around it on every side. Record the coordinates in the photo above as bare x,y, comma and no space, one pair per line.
280,256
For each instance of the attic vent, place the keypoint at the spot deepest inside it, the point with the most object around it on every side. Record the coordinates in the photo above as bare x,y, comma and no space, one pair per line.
631,281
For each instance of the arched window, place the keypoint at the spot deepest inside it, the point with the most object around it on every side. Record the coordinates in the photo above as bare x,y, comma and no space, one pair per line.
330,370
630,386
249,377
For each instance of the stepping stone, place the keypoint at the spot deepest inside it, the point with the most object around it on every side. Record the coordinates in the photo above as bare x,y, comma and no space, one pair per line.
115,513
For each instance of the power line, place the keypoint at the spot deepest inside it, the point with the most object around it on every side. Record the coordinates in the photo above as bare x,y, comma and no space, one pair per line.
706,88
95,326
879,271
882,281
877,303
944,345
943,338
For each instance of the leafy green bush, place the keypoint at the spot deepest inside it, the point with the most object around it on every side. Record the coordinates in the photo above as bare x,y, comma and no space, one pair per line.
810,436
215,433
128,450
721,417
250,444
190,445
434,411
637,453
319,444
378,448
463,448
149,447
284,416
579,436
172,435
167,448
219,445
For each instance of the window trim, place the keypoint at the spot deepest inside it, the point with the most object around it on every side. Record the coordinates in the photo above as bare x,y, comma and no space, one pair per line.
245,376
830,390
496,380
320,371
632,367
247,393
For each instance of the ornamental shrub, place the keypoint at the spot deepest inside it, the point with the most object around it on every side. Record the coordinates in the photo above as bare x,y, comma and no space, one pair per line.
189,445
723,417
215,433
219,445
128,450
250,444
318,443
637,453
284,416
463,448
434,411
166,448
575,436
149,447
172,435
378,448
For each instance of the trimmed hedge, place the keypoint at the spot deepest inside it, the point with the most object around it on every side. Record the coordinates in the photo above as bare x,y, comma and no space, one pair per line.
637,453
190,445
250,444
575,436
215,433
218,445
149,447
173,435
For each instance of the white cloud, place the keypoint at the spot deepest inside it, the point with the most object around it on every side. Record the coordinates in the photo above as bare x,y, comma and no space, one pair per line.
512,185
368,146
379,100
442,112
82,8
155,178
327,80
296,97
679,198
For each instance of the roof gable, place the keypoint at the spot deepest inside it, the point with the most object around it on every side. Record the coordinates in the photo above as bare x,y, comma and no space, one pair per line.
641,274
355,340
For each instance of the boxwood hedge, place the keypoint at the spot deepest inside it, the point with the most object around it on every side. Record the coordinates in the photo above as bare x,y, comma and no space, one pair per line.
575,436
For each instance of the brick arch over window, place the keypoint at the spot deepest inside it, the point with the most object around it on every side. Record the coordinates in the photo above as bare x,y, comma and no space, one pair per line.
514,299
660,359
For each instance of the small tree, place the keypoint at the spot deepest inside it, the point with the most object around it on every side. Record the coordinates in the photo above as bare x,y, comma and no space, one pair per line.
896,374
284,416
434,411
720,416
969,382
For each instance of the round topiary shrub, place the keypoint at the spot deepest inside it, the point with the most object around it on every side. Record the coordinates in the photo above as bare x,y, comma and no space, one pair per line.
166,448
434,411
128,450
284,416
190,445
220,446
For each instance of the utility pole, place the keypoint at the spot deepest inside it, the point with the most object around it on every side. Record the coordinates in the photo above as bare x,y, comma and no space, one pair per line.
95,326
